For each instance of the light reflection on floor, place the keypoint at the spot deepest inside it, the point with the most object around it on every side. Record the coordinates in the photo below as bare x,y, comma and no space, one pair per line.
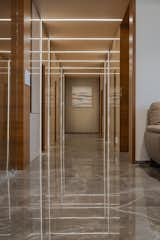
75,197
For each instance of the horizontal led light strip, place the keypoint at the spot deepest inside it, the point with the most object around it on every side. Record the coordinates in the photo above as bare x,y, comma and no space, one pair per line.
78,51
5,19
78,73
85,61
5,51
82,68
76,61
76,39
5,39
76,20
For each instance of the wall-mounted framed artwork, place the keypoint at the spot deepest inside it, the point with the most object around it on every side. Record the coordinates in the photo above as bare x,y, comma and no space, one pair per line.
82,97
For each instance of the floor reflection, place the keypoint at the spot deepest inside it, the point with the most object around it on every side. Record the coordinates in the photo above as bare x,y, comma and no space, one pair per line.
75,194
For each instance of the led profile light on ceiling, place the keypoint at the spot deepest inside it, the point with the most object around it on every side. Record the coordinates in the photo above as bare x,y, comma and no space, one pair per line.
76,61
80,73
5,19
5,51
78,51
65,61
76,20
82,68
5,39
76,39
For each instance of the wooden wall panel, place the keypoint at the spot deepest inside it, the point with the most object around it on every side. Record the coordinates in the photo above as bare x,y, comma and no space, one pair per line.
124,84
44,110
20,92
128,79
101,113
3,123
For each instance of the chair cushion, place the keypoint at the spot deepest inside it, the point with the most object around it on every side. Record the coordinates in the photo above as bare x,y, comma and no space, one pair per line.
153,128
154,114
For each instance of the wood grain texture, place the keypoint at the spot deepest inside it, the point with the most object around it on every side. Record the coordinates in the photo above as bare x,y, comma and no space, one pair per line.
124,84
3,122
20,92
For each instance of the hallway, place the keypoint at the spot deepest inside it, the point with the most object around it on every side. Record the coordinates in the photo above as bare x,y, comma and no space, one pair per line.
79,195
76,82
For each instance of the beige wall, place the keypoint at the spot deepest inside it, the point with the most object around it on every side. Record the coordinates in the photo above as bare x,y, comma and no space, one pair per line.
82,120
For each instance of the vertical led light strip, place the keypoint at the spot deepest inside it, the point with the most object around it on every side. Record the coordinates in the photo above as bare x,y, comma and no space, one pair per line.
63,143
8,135
49,108
61,130
108,140
104,136
63,107
8,116
40,143
61,104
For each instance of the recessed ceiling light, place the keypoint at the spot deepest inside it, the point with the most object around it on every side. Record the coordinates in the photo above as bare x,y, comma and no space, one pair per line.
80,73
61,60
83,68
76,20
78,51
75,61
5,19
5,51
76,39
5,39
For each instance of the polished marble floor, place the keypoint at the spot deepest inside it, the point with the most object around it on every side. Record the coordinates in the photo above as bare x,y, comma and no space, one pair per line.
81,191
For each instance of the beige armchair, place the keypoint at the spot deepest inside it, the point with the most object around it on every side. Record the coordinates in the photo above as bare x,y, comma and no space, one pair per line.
152,134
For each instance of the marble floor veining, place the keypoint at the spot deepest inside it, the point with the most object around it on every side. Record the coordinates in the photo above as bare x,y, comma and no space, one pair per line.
81,191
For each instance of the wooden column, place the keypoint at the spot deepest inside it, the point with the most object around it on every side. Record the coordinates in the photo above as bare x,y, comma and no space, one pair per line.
3,121
124,84
19,89
127,81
